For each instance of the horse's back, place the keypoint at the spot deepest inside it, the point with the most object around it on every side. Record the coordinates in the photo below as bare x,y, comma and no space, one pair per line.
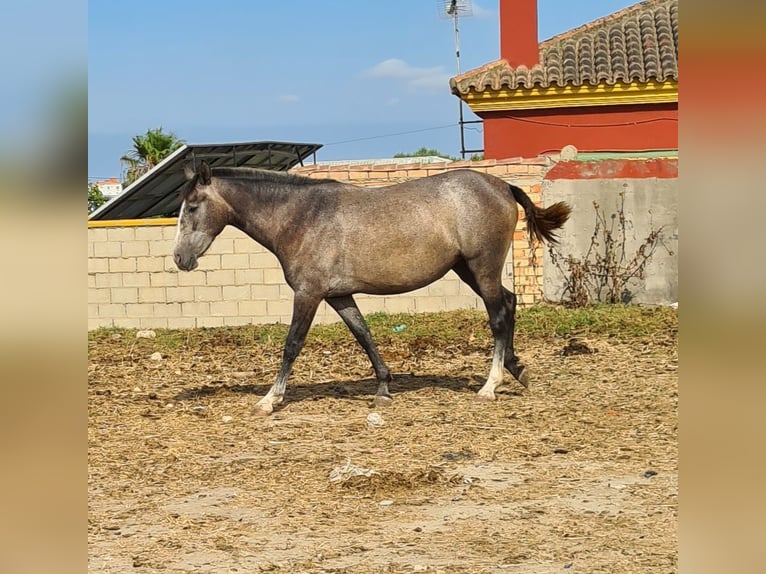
404,236
454,190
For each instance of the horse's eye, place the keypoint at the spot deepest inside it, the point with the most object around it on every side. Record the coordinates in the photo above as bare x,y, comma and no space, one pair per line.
193,208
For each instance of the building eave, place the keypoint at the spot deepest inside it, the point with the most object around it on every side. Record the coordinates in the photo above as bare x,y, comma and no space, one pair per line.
620,93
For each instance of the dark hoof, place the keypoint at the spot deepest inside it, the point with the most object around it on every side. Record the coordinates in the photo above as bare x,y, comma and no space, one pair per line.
382,401
523,377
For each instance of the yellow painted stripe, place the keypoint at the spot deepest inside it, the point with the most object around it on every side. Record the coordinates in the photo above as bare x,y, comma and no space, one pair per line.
133,222
571,96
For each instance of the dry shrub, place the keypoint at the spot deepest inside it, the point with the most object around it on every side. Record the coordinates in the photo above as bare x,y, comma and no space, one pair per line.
603,274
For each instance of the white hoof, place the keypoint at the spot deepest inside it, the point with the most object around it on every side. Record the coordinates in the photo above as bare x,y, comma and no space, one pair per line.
382,401
264,409
484,395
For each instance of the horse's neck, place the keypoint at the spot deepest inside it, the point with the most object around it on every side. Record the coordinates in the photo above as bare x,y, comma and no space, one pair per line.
262,211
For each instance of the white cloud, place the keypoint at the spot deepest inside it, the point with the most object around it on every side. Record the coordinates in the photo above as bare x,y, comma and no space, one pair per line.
288,98
395,68
481,12
416,79
431,82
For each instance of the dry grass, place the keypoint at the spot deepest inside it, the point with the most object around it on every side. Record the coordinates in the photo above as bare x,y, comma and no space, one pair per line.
182,477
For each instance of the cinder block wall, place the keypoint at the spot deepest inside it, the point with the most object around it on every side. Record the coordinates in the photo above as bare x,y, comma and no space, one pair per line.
133,281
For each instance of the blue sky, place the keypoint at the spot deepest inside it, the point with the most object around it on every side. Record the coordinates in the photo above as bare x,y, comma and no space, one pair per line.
340,73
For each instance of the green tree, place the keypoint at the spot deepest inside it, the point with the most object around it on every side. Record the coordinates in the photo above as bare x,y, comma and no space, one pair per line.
148,150
95,198
424,151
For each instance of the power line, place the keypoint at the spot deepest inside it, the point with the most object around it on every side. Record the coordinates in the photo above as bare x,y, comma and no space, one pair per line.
573,125
367,138
390,135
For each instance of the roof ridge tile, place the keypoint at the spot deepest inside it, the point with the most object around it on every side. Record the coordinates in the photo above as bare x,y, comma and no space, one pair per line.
637,43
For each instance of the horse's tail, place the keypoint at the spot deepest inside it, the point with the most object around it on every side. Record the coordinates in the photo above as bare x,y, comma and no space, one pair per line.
541,222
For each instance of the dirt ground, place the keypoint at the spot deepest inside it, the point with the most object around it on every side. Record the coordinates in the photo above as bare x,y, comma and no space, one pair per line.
577,474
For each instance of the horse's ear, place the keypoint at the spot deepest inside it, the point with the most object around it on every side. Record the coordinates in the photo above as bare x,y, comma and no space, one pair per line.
205,174
188,170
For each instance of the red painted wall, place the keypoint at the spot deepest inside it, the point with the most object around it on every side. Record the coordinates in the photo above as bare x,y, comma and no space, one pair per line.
660,168
529,133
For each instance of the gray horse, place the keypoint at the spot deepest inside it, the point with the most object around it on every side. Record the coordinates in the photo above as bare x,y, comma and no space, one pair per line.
334,240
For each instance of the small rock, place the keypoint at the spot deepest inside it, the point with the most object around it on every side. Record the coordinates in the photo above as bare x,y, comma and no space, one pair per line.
386,502
560,451
343,473
136,389
650,473
374,420
156,356
115,336
169,406
456,455
227,419
153,396
418,529
568,152
146,334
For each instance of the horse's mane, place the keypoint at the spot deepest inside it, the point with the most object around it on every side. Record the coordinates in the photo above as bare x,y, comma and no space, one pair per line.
265,175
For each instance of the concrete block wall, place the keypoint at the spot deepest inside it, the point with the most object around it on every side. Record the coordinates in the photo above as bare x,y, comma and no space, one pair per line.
649,188
134,283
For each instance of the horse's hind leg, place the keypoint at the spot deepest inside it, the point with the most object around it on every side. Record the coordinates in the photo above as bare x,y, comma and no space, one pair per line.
519,371
484,277
510,360
349,312
304,309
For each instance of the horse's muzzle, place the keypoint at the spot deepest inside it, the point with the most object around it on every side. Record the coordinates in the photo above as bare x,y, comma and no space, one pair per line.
185,264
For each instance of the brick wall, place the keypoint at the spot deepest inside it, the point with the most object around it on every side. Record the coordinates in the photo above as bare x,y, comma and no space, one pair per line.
133,281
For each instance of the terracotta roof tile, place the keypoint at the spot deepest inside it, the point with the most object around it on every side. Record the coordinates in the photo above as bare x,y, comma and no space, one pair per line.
639,43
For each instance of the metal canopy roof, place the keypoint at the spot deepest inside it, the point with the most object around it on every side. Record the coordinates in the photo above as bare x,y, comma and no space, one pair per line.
156,193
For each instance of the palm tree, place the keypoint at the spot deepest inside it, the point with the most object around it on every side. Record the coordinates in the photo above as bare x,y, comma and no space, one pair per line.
148,150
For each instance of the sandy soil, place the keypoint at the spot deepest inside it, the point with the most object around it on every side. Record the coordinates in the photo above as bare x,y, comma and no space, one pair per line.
576,474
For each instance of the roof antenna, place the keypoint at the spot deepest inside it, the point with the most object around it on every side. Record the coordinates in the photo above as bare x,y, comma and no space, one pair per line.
455,9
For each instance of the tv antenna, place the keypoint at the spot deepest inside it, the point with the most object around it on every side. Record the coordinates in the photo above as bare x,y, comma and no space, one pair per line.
456,9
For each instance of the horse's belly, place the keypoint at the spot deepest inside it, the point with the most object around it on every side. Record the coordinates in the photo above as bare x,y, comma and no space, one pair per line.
388,276
385,257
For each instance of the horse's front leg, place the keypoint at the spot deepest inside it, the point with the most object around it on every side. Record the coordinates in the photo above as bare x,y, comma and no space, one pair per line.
352,316
304,309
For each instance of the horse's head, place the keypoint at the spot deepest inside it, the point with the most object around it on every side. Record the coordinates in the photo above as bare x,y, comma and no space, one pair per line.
202,217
